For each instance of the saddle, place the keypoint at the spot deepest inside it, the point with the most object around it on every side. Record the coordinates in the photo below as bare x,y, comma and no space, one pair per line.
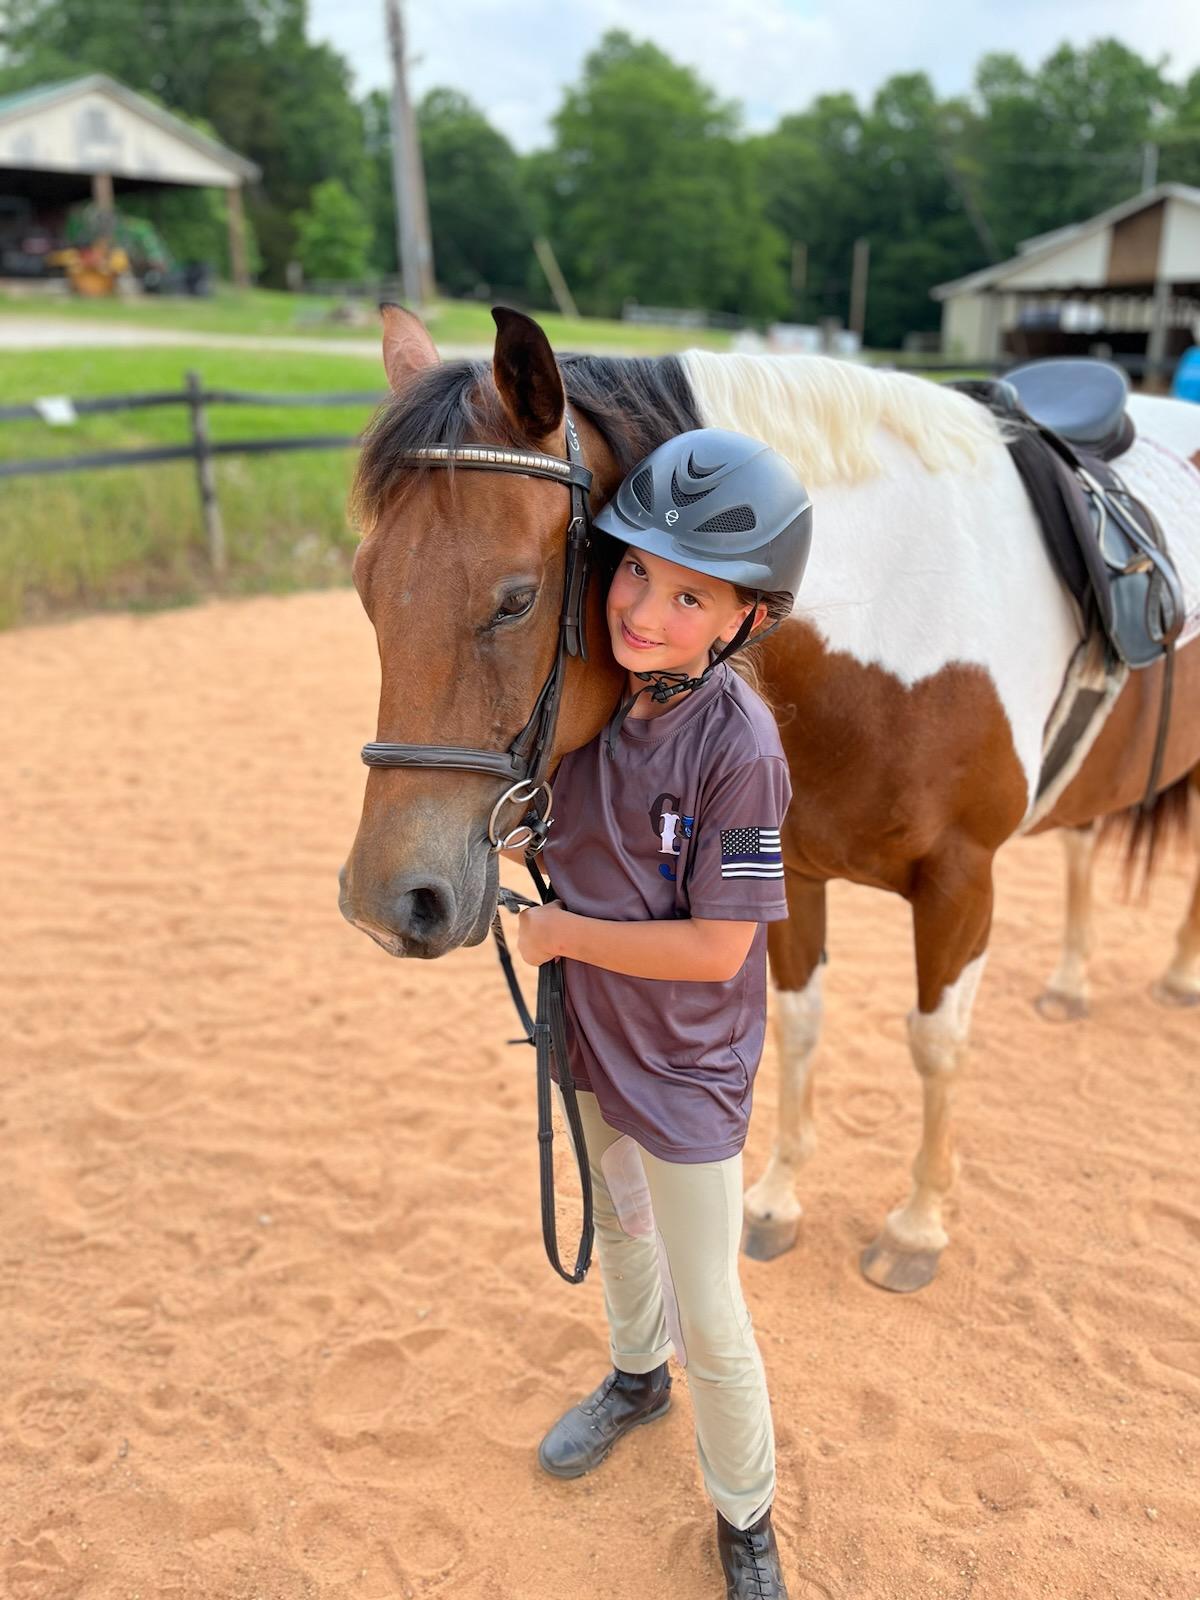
1065,422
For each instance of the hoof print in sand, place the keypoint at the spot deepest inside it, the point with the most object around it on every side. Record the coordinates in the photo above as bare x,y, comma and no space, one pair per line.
37,1567
978,1476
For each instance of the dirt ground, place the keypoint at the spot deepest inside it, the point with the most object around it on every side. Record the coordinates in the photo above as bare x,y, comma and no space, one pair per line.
276,1319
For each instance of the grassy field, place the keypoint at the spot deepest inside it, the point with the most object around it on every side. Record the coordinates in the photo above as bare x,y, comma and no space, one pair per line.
271,313
127,537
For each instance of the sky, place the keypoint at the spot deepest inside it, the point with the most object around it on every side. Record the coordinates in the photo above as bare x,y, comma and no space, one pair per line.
513,58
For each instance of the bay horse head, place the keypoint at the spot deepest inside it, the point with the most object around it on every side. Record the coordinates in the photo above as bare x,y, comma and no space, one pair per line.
462,575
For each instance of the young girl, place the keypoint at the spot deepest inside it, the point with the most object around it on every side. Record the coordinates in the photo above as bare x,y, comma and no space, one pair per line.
665,855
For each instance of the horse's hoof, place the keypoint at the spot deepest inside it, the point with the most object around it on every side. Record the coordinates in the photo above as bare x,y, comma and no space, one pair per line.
764,1238
1055,1006
1169,994
901,1271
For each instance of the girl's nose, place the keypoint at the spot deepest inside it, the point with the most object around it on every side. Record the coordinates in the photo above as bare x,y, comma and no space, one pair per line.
644,617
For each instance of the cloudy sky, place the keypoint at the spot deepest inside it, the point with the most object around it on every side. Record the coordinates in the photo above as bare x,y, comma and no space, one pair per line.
514,57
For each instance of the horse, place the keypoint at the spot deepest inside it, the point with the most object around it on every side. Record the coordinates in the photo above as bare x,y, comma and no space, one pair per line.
912,682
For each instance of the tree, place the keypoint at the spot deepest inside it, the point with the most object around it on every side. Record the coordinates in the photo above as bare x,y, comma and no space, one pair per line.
333,237
478,215
648,195
1057,145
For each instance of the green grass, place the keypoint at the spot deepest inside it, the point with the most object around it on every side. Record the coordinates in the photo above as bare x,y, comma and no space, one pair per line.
272,313
121,537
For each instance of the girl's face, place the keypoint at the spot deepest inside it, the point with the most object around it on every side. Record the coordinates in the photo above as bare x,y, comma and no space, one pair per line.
663,617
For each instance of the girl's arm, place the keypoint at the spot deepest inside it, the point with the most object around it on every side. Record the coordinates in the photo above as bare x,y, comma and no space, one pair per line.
700,949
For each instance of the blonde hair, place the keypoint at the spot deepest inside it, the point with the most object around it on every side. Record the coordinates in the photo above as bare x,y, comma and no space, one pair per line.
747,662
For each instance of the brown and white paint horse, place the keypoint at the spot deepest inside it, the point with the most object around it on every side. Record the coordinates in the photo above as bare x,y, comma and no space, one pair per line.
913,682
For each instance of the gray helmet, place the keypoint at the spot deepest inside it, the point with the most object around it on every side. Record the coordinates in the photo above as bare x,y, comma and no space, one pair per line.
720,503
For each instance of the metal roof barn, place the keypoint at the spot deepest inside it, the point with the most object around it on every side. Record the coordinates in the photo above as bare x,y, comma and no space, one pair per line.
93,136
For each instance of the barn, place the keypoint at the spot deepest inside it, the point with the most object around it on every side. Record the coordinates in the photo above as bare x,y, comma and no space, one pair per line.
1124,284
94,138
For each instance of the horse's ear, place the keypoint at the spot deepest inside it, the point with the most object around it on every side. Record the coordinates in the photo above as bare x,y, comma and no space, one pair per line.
407,347
527,375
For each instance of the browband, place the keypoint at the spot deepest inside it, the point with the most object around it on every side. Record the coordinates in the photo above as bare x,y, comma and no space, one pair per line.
527,463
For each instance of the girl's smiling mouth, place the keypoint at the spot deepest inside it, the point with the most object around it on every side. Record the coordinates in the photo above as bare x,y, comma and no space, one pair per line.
635,642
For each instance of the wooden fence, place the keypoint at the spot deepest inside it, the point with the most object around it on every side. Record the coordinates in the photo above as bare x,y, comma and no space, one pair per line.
200,449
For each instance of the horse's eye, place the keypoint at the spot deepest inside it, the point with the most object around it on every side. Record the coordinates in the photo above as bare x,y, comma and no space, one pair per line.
515,605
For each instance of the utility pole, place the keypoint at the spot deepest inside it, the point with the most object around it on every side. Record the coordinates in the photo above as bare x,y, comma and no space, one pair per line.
413,248
858,287
1149,165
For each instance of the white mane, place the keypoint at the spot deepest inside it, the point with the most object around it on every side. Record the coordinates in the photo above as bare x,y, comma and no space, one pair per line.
821,413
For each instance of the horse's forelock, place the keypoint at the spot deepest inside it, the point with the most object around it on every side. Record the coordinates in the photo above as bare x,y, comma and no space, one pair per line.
635,402
453,403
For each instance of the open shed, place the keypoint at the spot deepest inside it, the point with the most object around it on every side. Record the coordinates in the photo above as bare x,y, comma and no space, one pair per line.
1126,281
93,137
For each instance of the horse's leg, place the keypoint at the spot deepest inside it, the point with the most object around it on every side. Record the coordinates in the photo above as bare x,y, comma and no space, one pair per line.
796,948
1180,984
952,913
1065,998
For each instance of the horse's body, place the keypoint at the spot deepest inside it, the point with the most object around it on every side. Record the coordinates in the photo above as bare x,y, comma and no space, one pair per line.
913,685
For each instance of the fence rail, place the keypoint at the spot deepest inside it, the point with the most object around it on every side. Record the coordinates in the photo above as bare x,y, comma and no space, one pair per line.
199,449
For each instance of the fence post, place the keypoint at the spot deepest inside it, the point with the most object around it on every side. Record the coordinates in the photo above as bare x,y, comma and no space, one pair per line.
209,507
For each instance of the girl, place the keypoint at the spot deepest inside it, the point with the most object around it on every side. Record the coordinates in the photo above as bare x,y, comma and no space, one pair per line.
666,860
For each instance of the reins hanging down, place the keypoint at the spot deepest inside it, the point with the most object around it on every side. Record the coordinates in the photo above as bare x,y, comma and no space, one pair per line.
525,764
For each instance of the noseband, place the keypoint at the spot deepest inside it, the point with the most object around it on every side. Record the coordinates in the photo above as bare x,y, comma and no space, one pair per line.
527,759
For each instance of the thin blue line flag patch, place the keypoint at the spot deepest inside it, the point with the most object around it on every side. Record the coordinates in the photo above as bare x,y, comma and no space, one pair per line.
751,853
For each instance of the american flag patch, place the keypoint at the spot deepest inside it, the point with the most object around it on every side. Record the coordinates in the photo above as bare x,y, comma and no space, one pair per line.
751,853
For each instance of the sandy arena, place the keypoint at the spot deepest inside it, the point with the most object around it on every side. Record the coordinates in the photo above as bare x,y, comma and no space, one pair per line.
276,1318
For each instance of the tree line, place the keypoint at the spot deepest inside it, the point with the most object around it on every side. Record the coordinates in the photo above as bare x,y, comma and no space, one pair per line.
650,189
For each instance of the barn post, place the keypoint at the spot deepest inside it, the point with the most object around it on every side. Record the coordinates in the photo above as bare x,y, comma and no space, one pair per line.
209,507
1157,366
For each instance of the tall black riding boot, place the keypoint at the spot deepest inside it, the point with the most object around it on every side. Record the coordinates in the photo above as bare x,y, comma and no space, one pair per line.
750,1558
583,1436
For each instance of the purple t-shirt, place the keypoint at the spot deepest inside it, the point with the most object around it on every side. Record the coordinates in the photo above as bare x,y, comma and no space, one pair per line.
681,821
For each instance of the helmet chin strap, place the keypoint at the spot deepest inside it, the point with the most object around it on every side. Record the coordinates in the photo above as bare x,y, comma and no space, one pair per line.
664,686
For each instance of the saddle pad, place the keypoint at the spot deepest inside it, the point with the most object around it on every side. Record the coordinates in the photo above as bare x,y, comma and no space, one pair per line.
1170,486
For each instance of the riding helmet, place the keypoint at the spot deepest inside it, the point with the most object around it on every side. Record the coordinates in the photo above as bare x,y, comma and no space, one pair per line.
720,503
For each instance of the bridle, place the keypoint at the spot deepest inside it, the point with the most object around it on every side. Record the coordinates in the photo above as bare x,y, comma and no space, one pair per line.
527,759
525,764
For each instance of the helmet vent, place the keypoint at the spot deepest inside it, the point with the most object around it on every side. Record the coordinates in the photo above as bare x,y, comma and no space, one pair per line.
739,519
643,489
681,498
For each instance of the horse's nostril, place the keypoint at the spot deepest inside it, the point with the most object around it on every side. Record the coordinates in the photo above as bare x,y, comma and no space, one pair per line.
423,909
428,909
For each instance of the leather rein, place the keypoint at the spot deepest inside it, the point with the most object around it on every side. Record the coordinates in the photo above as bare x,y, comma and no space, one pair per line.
525,764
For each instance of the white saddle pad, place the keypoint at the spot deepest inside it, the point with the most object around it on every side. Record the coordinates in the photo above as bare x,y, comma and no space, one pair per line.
1170,486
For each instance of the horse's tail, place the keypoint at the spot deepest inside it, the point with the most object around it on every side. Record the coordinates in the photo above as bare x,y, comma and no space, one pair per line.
1145,832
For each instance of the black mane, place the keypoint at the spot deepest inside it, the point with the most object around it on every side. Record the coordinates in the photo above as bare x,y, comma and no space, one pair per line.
636,402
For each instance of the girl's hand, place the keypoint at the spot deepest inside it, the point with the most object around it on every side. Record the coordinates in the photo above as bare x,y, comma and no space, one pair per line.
538,933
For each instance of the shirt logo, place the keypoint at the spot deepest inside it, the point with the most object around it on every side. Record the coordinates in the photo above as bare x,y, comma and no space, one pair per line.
751,853
671,826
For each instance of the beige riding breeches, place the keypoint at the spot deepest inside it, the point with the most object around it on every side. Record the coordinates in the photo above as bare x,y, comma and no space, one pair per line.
667,1239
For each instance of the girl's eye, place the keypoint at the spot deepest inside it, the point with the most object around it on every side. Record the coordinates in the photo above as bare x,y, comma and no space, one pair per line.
515,605
639,572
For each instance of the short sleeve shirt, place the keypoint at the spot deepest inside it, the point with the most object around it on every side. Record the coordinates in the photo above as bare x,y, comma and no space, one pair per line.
682,820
